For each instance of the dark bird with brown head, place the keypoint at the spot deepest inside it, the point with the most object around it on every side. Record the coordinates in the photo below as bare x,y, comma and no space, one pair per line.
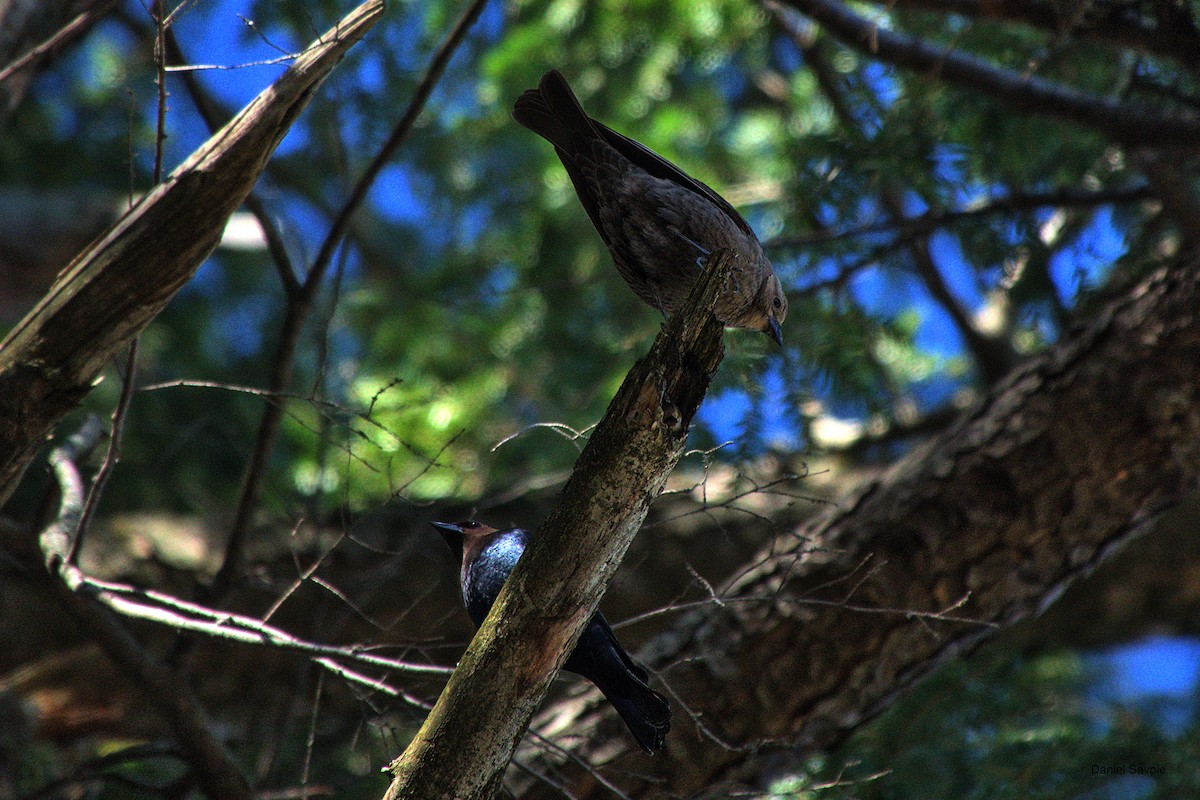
487,556
659,223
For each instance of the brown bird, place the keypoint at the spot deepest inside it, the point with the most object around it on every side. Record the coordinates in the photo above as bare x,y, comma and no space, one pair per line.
659,224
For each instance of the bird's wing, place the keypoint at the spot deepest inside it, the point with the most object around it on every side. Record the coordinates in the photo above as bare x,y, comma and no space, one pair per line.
584,190
659,167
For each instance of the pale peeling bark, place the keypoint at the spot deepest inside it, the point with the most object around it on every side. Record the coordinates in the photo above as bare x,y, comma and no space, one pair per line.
1071,456
464,747
125,278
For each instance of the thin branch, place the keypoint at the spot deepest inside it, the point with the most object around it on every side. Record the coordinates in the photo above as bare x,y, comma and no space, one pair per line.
1117,24
55,539
544,778
561,428
300,304
549,745
374,684
158,12
719,601
326,408
1015,203
123,279
213,116
312,730
164,609
74,28
991,353
464,746
1024,93
216,772
304,575
1141,83
399,134
113,456
121,413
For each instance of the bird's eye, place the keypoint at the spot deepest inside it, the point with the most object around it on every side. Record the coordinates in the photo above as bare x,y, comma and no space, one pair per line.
777,303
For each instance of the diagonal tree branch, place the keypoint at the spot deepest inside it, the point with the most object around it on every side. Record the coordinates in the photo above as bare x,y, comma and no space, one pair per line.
1069,458
123,280
1029,94
212,114
89,13
1116,24
46,31
467,741
214,767
1015,203
300,301
991,353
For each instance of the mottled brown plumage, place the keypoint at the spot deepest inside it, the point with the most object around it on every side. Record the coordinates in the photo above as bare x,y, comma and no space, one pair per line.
659,224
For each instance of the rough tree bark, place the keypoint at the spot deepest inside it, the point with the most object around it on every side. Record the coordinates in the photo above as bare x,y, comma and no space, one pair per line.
112,290
1070,457
50,360
468,738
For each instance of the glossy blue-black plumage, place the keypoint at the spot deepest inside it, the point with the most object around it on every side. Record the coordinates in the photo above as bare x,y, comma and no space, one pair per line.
487,556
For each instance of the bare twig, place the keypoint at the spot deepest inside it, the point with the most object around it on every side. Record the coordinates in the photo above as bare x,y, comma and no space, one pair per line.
113,456
55,539
1118,25
301,302
215,769
304,575
374,684
121,413
164,609
1015,203
1025,93
73,29
717,601
213,117
549,745
328,410
49,360
312,729
464,746
561,428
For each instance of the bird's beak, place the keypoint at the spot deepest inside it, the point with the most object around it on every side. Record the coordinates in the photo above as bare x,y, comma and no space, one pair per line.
452,534
774,331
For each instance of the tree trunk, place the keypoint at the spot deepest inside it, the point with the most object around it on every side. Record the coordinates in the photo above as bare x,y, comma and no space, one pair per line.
50,360
468,739
1070,457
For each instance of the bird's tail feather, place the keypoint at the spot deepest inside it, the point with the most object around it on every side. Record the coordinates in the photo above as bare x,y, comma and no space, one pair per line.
553,112
646,712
